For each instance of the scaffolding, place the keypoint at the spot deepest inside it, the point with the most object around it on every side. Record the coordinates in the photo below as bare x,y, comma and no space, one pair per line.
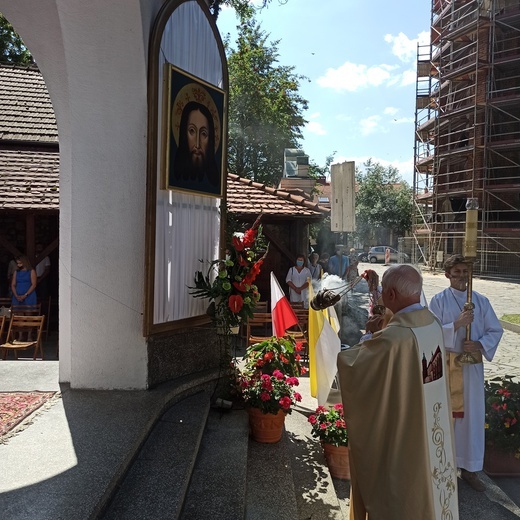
467,134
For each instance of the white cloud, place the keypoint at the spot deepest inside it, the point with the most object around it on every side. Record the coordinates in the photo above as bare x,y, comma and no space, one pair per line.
315,128
370,125
409,77
391,111
405,48
351,77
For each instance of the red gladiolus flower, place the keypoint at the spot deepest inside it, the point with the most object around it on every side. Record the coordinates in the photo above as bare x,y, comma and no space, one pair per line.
238,244
299,346
249,237
268,356
304,370
240,286
297,397
242,262
235,303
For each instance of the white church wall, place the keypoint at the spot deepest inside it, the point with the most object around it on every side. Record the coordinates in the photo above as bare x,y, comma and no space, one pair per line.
93,58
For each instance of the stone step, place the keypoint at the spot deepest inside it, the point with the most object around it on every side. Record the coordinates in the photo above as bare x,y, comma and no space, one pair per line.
270,485
318,495
156,484
218,485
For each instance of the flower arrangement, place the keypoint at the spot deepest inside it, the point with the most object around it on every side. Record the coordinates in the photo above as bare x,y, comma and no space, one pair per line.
503,414
276,354
328,425
270,393
229,283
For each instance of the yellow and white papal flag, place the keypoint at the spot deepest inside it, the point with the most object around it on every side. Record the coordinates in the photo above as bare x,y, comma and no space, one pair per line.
324,347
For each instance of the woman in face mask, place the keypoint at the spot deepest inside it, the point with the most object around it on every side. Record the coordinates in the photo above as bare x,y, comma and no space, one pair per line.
298,280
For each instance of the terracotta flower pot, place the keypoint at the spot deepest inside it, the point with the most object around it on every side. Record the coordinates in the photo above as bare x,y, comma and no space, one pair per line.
266,427
338,462
501,464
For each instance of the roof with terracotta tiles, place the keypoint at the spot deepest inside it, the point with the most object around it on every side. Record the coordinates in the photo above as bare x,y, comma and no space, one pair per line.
26,112
246,197
29,180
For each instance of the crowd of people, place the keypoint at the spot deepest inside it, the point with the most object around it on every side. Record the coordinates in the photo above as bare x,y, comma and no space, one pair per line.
315,266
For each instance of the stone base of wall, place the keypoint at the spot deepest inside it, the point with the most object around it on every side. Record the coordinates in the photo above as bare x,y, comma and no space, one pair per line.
181,353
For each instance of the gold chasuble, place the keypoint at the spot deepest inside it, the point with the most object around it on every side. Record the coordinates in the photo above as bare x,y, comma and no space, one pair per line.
396,400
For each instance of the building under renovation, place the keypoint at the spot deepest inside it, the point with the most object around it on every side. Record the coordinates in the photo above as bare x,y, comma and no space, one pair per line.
467,136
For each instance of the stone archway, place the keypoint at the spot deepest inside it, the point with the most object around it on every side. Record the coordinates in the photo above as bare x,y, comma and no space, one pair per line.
93,59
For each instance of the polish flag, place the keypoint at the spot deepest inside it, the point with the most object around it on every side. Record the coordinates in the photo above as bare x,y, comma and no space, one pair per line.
281,310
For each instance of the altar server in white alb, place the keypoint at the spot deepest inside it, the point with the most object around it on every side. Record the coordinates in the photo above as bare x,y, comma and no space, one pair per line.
396,400
467,381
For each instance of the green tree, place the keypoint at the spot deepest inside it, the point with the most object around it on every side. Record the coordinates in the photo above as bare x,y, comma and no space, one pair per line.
265,108
243,8
12,48
383,204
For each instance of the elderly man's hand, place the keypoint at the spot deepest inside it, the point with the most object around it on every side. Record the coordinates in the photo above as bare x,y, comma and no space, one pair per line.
374,323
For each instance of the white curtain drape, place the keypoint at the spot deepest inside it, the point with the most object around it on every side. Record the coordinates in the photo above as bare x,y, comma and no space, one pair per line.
187,226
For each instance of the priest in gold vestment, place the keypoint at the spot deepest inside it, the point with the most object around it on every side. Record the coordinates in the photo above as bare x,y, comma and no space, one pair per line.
396,401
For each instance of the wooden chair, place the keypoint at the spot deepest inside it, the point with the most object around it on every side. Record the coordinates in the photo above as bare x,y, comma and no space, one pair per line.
46,306
300,331
26,310
261,307
3,319
23,325
5,302
259,328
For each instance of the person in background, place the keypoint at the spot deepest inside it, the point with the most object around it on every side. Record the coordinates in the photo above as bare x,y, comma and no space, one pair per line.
324,262
353,265
339,264
23,283
297,280
43,268
467,381
315,268
396,400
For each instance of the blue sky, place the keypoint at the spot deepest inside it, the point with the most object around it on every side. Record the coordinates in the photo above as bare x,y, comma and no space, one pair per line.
360,58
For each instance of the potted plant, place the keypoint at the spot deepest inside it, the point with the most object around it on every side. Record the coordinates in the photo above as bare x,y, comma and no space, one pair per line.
329,426
502,457
276,354
268,398
228,283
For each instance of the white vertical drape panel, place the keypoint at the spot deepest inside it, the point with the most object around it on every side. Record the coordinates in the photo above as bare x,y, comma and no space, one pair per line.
187,226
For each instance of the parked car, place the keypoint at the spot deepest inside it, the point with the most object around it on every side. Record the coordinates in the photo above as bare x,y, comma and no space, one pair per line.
377,254
363,257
